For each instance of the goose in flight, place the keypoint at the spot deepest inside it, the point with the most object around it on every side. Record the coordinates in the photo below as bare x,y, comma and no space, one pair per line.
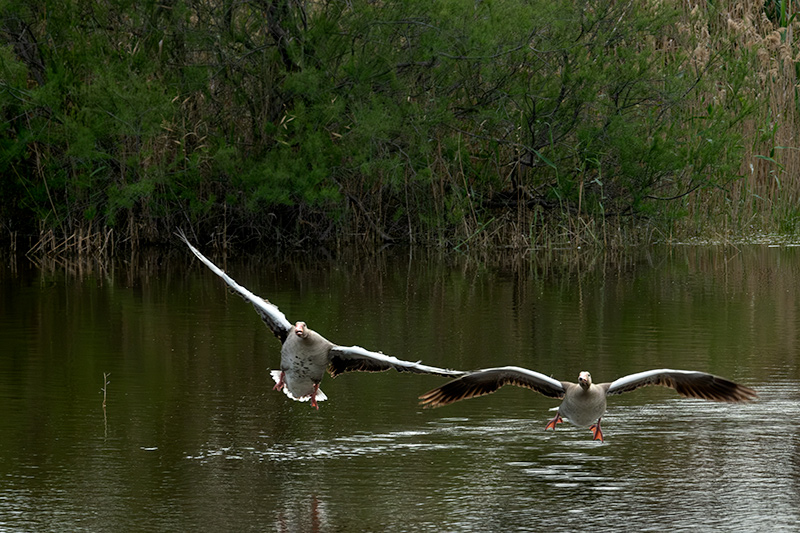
584,403
305,354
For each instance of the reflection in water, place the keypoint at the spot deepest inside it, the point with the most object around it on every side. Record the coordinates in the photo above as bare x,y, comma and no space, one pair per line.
193,437
691,463
360,445
310,515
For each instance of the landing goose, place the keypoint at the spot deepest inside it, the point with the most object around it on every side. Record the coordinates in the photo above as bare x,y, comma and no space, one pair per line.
305,354
584,403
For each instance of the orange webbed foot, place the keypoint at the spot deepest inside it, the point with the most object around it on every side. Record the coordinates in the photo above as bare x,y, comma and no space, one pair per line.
280,384
314,403
597,434
552,423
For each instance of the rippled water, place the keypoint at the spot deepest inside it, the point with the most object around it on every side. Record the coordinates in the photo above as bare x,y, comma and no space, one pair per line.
193,437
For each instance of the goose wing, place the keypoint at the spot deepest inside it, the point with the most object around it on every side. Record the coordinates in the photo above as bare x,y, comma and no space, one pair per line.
355,358
270,314
689,383
482,382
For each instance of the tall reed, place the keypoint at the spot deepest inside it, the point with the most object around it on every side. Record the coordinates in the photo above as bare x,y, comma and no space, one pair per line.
767,197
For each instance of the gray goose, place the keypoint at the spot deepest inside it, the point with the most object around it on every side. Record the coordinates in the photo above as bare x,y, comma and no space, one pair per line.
305,354
584,403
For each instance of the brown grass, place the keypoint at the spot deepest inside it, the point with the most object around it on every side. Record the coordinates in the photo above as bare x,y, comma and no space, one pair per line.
85,241
769,189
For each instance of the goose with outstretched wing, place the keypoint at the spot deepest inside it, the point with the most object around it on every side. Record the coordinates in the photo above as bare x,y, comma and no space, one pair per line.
584,403
305,354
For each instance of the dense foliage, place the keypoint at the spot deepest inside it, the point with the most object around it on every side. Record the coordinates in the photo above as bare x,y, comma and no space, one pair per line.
397,120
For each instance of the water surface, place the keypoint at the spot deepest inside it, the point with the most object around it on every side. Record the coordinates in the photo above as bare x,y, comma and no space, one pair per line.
193,437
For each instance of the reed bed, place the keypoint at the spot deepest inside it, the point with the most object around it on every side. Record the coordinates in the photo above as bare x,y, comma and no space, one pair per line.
233,160
82,242
766,196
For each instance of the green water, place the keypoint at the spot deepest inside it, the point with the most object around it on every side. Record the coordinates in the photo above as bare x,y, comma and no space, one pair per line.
194,438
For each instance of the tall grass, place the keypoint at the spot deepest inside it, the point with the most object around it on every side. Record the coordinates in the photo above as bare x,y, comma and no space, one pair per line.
767,197
516,124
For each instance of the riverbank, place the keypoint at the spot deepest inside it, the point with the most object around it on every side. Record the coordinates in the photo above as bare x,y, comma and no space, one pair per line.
524,125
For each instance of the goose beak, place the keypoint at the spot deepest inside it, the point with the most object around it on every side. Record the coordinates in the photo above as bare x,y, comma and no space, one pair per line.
300,329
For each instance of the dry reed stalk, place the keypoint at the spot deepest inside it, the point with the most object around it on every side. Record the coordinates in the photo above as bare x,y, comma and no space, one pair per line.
84,241
106,382
771,162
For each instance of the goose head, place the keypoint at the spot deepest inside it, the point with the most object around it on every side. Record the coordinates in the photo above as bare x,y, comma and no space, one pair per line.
300,330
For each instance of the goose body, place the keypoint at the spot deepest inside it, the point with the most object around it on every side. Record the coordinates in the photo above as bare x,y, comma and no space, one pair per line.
584,403
306,355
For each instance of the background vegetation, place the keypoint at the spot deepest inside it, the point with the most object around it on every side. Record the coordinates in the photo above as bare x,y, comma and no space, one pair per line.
457,123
